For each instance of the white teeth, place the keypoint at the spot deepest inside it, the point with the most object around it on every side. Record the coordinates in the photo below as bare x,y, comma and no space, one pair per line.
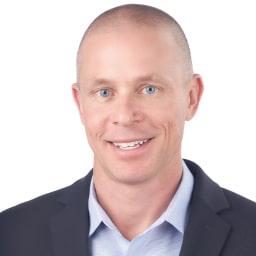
130,145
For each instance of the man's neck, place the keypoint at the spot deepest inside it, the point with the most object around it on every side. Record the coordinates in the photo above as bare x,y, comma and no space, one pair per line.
134,208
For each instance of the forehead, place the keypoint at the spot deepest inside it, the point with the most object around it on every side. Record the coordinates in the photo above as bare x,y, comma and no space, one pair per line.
127,36
128,54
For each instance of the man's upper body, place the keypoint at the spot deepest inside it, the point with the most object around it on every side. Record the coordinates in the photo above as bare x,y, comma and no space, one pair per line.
135,90
58,224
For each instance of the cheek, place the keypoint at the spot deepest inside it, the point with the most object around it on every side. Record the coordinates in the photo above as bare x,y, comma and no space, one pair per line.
94,121
170,119
167,111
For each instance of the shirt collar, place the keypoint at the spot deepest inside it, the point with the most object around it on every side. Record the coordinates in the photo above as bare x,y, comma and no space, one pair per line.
176,213
97,214
178,210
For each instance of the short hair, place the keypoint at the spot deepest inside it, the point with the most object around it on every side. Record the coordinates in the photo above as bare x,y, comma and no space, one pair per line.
141,15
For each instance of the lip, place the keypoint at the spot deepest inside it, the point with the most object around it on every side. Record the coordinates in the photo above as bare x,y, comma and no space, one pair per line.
133,151
128,140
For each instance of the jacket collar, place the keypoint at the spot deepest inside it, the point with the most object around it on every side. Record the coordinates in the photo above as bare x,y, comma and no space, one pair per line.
206,231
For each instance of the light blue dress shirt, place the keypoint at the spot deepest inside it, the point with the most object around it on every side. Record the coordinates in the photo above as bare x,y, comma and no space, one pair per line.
163,237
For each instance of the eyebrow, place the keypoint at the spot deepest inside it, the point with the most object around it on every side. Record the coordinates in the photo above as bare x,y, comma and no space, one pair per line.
144,78
154,78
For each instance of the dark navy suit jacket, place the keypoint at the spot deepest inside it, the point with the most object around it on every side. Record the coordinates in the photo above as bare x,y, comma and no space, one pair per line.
57,224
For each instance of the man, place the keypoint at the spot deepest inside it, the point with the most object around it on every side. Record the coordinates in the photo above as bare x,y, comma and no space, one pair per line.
135,89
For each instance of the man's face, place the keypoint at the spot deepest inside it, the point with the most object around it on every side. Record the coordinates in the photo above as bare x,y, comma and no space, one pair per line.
133,102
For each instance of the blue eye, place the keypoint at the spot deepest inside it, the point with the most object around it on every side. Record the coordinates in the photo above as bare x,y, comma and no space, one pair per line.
150,90
104,92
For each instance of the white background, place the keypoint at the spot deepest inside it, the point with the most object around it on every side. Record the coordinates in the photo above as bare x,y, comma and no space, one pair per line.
42,142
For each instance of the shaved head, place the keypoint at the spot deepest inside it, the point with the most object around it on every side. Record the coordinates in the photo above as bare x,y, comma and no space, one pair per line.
139,16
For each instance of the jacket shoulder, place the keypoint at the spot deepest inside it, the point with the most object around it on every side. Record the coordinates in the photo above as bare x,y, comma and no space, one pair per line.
28,223
235,212
242,211
46,203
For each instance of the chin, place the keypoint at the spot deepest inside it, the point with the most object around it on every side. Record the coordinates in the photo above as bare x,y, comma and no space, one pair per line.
131,176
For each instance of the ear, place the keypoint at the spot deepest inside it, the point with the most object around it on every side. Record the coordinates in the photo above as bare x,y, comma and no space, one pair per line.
195,93
77,98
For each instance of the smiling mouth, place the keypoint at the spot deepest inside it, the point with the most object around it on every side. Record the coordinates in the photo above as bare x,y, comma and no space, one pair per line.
130,145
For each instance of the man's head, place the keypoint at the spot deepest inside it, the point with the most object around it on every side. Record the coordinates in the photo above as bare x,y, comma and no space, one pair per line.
135,90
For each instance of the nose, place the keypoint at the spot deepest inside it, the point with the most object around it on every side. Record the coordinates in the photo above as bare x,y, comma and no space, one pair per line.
127,111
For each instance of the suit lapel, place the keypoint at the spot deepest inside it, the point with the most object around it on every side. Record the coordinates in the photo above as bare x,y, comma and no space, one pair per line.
70,227
206,231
